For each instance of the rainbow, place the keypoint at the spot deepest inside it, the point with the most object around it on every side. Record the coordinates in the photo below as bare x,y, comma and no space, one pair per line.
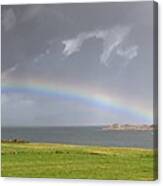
93,98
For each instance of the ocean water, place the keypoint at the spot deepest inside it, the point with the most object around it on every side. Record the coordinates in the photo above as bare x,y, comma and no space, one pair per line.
80,135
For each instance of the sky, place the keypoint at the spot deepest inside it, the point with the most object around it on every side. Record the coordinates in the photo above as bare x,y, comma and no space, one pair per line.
77,64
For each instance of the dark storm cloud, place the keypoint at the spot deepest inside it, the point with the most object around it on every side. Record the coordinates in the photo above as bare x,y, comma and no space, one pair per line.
110,42
26,29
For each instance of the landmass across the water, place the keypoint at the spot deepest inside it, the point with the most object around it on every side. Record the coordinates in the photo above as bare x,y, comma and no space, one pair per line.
136,127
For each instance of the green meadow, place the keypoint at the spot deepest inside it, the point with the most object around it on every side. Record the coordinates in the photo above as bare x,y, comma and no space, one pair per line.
74,161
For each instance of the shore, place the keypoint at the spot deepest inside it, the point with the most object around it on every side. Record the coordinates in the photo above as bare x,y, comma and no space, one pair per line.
76,161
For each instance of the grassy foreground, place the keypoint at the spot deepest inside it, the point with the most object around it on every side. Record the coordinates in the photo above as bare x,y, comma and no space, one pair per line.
73,161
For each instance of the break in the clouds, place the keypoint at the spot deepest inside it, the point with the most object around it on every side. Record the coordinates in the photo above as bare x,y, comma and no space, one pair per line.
111,39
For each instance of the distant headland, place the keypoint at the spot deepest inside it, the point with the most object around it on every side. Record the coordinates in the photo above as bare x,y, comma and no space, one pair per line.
135,127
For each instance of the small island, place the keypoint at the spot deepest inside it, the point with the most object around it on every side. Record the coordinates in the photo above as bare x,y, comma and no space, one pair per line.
135,127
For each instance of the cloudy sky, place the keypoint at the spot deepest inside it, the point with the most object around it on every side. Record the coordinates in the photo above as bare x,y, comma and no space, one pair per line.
60,63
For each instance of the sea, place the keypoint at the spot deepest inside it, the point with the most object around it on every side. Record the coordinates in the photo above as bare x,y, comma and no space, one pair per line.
80,135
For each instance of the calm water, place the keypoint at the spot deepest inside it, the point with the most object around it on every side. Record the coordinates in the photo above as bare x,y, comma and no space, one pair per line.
81,135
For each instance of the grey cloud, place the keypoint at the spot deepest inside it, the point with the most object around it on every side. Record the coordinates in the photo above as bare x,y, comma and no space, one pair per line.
31,12
42,55
9,19
128,53
73,45
9,71
111,39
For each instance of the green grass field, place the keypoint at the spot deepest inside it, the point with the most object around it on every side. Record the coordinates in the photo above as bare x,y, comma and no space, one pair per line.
73,161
